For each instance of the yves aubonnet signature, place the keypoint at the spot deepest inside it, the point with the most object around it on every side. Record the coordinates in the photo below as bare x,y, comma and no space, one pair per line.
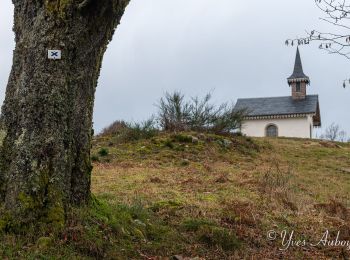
289,240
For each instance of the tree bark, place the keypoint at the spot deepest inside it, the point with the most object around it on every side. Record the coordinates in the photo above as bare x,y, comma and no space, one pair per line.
45,162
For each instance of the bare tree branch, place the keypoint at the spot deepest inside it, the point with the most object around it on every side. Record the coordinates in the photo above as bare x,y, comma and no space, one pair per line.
337,14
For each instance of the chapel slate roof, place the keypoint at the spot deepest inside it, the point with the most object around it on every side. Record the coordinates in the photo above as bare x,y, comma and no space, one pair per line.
273,106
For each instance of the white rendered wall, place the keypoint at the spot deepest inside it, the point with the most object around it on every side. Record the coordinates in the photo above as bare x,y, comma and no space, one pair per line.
288,127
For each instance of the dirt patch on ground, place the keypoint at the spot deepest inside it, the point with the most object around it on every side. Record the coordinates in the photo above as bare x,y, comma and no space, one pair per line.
239,214
329,144
335,209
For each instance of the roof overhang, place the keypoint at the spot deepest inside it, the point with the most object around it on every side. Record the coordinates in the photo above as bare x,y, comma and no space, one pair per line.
259,117
294,80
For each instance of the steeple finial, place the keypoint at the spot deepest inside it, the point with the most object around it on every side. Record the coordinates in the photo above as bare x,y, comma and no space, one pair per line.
298,73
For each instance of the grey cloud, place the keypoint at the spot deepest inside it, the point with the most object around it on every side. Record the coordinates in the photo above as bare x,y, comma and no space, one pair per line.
233,47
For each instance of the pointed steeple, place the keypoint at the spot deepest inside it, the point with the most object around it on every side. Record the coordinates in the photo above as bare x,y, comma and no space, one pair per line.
298,73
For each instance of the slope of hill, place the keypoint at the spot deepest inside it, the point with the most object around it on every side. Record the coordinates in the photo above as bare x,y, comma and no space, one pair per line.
222,196
188,195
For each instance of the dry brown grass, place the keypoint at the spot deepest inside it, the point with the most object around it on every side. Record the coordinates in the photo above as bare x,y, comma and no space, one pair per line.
249,188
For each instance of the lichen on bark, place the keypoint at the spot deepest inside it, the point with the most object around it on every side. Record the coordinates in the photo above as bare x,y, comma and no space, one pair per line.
58,7
45,162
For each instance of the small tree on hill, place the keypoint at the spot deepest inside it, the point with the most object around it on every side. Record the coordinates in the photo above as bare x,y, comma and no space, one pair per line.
334,133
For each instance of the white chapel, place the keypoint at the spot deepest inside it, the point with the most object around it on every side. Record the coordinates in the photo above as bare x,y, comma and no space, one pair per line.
289,116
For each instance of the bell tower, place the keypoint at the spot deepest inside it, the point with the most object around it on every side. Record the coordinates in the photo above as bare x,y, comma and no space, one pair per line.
298,81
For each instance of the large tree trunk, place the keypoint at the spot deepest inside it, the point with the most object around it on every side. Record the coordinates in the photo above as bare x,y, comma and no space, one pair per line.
47,114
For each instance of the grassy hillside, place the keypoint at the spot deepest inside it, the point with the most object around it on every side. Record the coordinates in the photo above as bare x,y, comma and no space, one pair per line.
223,195
205,196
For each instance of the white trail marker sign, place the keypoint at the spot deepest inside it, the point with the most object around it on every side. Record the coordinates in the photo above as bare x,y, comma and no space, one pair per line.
54,54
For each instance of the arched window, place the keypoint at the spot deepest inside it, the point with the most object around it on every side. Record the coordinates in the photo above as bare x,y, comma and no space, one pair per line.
271,131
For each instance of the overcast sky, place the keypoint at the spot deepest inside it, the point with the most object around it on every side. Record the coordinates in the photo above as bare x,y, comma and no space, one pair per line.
235,48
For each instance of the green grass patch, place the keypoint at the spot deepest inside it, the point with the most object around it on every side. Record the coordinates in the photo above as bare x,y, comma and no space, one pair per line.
98,231
208,232
103,152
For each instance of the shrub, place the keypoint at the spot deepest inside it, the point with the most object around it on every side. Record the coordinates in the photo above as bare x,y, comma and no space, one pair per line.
103,152
177,114
168,143
185,163
183,138
276,178
115,128
217,236
174,112
125,132
143,130
278,182
193,225
209,233
238,134
95,158
166,205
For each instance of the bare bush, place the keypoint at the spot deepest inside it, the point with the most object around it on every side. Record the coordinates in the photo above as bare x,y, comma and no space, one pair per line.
276,179
342,136
144,130
197,114
125,131
174,112
334,133
277,182
115,128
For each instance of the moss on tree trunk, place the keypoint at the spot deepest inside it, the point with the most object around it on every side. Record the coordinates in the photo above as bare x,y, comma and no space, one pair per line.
47,113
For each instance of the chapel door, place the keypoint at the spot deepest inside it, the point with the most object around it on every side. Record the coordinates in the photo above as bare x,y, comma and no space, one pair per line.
272,131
